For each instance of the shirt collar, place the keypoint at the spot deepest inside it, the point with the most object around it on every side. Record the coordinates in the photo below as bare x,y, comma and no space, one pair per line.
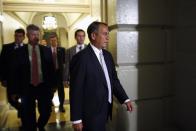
80,45
96,50
21,44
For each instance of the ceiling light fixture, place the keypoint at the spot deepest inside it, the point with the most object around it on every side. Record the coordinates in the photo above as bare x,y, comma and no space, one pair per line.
49,23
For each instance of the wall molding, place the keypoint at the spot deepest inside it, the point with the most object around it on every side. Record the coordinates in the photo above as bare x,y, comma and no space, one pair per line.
45,7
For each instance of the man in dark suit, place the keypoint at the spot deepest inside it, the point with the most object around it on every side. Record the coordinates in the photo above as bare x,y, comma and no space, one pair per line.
36,76
79,37
93,81
7,64
58,54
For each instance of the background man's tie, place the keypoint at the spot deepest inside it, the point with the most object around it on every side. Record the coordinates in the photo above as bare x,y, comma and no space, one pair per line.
35,71
80,48
54,56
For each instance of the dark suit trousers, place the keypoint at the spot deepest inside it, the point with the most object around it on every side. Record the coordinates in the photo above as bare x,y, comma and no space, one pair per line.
61,93
99,120
60,87
28,108
16,104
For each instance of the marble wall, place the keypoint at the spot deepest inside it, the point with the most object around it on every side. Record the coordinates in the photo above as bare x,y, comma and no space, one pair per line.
142,43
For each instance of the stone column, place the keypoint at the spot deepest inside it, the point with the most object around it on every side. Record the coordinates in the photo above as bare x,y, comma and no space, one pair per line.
142,45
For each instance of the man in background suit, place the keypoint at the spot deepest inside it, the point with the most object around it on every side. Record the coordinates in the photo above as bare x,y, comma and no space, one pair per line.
36,75
58,54
79,37
93,81
7,62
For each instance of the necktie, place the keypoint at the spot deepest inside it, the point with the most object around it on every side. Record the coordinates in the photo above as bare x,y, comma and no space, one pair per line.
35,72
54,55
105,70
80,48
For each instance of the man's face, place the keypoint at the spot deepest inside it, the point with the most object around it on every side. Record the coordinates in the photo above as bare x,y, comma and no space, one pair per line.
53,41
80,37
19,37
101,37
33,37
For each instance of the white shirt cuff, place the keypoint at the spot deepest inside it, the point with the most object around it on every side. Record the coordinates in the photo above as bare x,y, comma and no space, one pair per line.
76,122
127,100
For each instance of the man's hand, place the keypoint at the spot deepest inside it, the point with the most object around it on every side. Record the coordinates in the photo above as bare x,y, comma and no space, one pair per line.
4,83
14,97
129,106
66,84
78,127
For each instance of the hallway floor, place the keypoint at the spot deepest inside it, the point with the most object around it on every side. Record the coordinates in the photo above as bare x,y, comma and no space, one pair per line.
58,121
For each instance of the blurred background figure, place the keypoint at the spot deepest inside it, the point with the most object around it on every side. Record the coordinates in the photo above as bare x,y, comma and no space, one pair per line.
7,64
70,52
58,54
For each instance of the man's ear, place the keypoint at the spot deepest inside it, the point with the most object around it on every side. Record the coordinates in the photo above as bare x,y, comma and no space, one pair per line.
93,36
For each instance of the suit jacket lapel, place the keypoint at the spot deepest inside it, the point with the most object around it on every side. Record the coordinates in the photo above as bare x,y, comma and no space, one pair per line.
24,51
73,52
58,54
97,65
